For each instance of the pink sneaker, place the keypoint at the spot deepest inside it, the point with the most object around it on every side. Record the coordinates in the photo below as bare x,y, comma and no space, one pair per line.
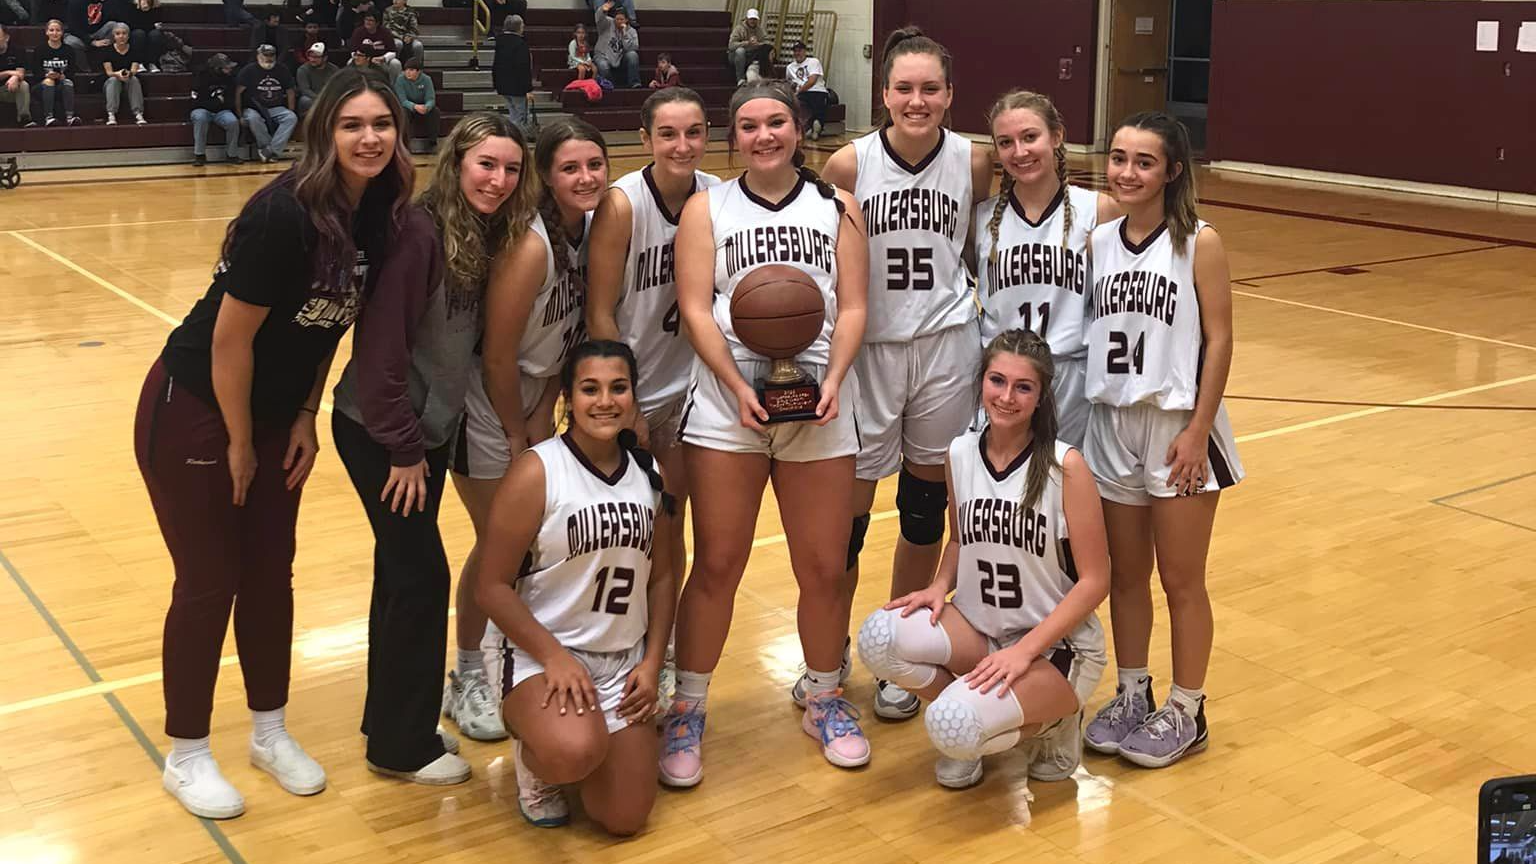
835,722
682,739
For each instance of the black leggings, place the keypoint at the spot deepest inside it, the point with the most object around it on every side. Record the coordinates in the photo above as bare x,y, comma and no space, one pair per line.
815,102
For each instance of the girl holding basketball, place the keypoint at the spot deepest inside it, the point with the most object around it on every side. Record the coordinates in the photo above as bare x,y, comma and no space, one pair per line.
532,320
632,292
1019,650
1158,441
1032,264
584,593
776,213
917,184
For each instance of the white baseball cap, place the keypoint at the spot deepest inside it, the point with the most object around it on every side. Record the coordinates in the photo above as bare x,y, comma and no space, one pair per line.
752,13
317,48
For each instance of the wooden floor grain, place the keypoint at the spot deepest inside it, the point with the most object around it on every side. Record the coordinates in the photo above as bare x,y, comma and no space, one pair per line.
1372,580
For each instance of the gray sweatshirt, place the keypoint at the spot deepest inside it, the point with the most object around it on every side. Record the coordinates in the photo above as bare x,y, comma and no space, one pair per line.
611,45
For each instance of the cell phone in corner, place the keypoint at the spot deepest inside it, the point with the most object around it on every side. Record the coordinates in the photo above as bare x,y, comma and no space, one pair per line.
1506,821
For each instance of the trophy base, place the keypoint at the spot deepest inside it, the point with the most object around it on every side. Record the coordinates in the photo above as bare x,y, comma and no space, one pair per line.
789,401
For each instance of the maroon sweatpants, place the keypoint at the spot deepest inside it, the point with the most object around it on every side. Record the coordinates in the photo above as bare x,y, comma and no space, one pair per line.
224,555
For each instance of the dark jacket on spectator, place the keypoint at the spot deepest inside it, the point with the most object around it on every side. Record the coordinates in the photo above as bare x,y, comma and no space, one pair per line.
139,19
512,70
375,44
82,18
263,34
214,92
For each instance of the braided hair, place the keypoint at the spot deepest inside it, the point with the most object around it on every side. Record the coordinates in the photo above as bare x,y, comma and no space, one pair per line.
1042,446
629,442
1025,100
550,139
779,92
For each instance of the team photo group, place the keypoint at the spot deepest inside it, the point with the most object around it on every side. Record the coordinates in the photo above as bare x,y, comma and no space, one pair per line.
595,359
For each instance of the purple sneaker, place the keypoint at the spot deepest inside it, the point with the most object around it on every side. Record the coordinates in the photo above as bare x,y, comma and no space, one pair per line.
1165,737
1117,718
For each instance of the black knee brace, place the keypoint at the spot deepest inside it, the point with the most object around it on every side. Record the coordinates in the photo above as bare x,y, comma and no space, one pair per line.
856,539
922,505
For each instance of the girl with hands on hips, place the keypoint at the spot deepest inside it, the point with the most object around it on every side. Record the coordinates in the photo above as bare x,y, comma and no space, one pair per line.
586,597
1015,654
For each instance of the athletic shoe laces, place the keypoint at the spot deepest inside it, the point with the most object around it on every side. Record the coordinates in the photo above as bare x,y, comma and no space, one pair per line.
1123,702
477,692
684,730
835,715
1164,722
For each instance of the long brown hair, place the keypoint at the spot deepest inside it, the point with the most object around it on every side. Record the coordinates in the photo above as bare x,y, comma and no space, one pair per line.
1179,194
1041,104
550,139
1042,426
911,40
316,182
780,92
470,238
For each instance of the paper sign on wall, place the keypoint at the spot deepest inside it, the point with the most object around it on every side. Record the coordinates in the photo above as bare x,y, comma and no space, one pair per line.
1487,35
1143,26
1526,41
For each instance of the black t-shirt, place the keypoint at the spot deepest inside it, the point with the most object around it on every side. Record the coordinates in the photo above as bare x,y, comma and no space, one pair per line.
60,59
117,61
266,87
10,60
215,92
270,264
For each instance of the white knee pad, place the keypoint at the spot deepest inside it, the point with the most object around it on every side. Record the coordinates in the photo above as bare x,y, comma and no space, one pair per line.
968,724
905,651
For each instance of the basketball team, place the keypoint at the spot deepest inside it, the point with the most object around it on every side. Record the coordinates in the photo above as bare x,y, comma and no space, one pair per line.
1042,369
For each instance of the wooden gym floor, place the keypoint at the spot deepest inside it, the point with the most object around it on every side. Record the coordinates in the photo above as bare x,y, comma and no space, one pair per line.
1372,582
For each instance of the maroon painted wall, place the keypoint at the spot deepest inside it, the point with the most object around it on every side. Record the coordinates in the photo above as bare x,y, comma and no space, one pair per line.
1384,89
1002,44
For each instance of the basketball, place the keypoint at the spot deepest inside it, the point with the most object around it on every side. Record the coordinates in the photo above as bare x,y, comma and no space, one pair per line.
777,311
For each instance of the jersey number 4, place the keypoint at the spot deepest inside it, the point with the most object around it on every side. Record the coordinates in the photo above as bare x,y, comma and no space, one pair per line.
1123,356
1000,586
614,585
909,268
669,321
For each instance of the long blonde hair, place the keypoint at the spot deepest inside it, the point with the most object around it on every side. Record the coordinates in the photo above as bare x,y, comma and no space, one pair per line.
1042,446
1026,100
472,240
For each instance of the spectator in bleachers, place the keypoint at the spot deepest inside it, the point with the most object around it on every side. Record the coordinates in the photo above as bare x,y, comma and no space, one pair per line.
349,15
86,23
666,74
627,5
300,53
321,13
414,88
177,56
145,31
53,61
617,48
512,70
313,74
235,14
748,43
577,32
580,59
264,91
402,23
122,67
269,31
213,101
810,86
13,71
376,42
42,11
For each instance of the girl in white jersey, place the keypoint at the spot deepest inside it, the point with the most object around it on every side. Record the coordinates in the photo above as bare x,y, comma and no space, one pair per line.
1159,443
1020,649
1032,265
632,293
585,595
532,320
917,184
778,212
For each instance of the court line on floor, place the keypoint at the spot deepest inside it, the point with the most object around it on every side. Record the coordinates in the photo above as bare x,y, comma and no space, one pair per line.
214,831
1443,499
1330,269
1368,412
1370,223
1380,320
104,225
100,282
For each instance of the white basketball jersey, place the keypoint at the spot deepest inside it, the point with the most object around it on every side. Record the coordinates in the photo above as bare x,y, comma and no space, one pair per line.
586,575
917,217
1144,336
1035,281
647,311
800,231
1015,561
555,323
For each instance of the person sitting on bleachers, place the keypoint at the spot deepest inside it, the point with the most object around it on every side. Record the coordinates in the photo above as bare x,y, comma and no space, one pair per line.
264,91
122,67
418,97
213,101
402,23
313,74
749,44
512,70
627,5
13,72
145,32
319,12
53,61
269,31
235,14
349,15
300,54
86,23
580,59
376,42
617,48
666,74
810,82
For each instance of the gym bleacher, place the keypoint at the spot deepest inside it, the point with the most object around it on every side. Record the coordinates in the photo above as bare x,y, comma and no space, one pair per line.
695,39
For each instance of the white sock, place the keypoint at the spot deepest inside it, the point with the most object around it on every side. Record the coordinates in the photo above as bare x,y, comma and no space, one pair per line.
1132,679
471,662
821,682
692,687
1186,700
186,750
267,727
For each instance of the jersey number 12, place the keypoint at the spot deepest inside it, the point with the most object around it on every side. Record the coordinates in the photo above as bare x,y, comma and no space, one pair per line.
612,595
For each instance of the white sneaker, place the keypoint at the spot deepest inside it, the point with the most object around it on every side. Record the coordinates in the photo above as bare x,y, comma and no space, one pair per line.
445,770
450,743
895,703
542,804
1060,751
468,701
202,789
797,692
111,119
957,773
295,771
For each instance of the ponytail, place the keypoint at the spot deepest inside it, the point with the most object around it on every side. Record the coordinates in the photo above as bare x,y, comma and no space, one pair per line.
826,189
630,443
